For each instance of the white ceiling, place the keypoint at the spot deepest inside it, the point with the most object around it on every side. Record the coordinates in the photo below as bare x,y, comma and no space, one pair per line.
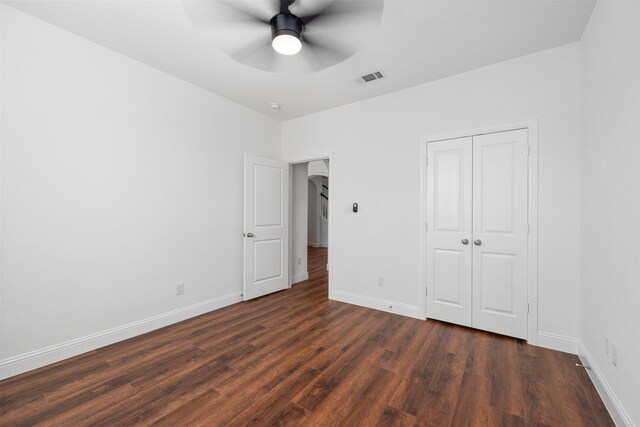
416,41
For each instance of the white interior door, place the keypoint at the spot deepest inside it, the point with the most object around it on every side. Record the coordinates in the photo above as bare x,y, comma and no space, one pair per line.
449,222
266,226
500,228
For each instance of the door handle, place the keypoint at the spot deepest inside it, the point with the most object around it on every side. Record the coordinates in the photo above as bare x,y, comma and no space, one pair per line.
465,241
248,234
477,242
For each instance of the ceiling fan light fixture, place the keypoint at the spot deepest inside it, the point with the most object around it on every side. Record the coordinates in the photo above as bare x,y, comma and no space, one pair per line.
286,44
286,30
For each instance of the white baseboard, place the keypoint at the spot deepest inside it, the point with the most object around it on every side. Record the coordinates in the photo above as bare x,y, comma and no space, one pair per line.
619,415
559,342
299,278
377,304
35,359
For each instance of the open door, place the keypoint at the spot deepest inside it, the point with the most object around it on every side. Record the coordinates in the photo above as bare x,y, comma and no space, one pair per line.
266,226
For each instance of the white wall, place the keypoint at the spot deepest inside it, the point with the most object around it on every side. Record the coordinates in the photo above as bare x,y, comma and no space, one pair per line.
313,216
375,147
323,223
298,235
611,197
118,182
319,176
312,228
319,235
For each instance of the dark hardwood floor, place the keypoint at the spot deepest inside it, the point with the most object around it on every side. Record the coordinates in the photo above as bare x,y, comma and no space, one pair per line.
296,358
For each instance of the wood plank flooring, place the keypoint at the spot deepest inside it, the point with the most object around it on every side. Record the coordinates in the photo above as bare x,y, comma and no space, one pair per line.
295,358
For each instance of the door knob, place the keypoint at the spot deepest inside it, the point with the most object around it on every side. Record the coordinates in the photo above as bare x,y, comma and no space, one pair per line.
465,241
249,234
477,242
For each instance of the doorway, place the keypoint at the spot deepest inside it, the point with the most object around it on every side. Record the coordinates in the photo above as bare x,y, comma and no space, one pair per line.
309,243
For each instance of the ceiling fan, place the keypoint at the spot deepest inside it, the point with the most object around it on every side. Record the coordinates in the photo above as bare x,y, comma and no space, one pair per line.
319,34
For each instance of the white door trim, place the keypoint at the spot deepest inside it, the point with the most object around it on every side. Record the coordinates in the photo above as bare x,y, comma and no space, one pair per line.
532,274
329,219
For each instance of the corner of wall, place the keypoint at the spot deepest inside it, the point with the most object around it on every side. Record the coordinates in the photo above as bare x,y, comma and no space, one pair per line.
559,342
609,398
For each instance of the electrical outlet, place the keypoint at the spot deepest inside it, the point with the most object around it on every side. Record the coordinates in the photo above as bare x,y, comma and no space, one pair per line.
381,281
614,355
180,289
299,260
606,345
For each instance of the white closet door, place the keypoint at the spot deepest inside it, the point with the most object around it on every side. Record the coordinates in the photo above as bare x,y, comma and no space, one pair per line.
449,217
500,232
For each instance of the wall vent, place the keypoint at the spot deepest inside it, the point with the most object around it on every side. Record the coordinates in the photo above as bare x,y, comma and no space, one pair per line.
371,77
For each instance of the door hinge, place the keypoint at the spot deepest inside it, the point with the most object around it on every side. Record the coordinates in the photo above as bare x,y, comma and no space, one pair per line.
528,307
528,150
528,229
426,291
426,226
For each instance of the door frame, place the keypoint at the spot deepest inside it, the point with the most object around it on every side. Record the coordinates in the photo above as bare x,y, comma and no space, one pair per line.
329,219
532,209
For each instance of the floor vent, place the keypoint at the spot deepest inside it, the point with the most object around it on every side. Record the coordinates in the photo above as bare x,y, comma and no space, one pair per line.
371,77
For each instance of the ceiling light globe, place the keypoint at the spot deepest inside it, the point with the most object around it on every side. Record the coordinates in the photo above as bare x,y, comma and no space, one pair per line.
286,44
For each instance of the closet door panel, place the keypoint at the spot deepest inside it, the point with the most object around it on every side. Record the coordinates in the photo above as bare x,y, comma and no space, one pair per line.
500,228
449,191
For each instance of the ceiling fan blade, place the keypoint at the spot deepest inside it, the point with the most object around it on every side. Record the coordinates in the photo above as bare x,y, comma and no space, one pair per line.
259,55
244,12
345,10
323,55
252,49
221,12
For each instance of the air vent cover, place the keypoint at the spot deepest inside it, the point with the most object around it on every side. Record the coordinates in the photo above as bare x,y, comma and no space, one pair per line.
371,77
